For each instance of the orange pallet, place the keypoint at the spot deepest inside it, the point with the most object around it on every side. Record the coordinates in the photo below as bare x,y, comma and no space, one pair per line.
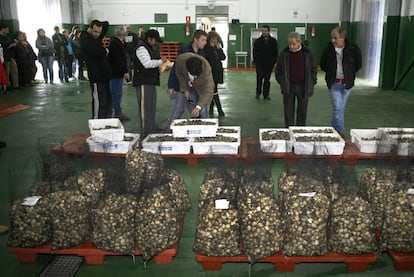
355,263
76,145
402,260
92,254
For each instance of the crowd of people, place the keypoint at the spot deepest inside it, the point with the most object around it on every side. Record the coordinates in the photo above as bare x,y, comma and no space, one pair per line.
20,57
130,58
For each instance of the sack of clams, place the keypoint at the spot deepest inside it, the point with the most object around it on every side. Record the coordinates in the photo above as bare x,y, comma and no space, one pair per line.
29,224
380,183
305,211
218,230
178,190
261,229
69,212
113,225
352,226
144,170
157,221
397,233
91,183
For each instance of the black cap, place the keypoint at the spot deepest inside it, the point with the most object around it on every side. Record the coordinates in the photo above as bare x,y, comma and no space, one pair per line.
151,33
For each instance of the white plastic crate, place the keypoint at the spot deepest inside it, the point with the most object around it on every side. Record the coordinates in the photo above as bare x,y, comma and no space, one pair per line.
216,147
121,147
106,130
396,132
406,148
277,145
231,130
166,147
296,130
318,147
194,130
372,141
399,136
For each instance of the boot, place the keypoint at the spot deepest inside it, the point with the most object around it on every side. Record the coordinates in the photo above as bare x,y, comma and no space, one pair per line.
218,104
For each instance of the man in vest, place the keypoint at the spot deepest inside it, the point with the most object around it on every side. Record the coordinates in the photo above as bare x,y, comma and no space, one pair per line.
146,78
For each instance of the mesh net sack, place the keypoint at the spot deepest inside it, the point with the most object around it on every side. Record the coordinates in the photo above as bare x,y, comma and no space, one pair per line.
261,229
178,190
29,225
157,221
306,224
218,230
380,183
113,224
70,219
91,183
352,222
397,233
144,170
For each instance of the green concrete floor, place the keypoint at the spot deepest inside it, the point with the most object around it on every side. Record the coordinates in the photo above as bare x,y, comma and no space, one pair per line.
58,111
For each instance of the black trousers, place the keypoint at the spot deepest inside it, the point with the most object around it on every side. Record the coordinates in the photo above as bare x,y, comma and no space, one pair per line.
297,92
147,107
101,99
263,73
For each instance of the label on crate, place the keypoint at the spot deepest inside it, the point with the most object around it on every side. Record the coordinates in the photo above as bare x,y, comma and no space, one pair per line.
222,204
31,201
410,191
307,194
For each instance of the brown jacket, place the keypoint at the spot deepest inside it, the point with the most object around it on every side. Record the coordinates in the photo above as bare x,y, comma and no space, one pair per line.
204,84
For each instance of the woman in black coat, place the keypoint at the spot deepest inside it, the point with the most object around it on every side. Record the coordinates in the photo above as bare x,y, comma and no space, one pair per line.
214,55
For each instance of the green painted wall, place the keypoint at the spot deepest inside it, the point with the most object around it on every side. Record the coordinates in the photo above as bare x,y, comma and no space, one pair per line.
405,56
13,26
389,52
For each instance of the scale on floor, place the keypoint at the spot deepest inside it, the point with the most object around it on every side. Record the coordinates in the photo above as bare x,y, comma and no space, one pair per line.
62,266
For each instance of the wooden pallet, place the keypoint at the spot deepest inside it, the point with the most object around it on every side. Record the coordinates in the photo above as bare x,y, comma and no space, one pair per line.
355,263
402,260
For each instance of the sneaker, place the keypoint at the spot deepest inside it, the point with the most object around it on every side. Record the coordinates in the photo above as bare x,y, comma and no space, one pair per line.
267,98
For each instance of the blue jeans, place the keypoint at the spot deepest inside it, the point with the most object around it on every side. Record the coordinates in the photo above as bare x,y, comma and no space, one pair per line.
339,97
116,94
194,98
181,104
47,65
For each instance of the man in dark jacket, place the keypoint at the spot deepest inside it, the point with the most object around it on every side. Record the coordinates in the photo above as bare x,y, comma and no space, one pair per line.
340,60
61,53
146,78
119,71
97,63
181,102
196,80
131,42
296,74
265,52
